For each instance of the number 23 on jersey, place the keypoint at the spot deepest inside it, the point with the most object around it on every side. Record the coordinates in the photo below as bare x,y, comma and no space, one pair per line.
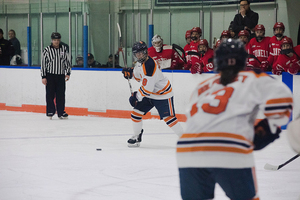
222,95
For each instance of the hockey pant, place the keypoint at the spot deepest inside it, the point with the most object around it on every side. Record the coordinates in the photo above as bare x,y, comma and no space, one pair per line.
165,108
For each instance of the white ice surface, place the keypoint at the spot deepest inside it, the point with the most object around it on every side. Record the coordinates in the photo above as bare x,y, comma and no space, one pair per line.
42,159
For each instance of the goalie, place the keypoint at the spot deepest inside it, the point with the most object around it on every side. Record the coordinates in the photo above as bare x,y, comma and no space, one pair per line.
218,142
164,55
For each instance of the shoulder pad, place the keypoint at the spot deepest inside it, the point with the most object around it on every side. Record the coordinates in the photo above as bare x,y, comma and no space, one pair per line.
149,67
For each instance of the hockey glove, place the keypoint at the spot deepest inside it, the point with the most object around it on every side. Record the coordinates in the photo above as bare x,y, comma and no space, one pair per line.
127,72
264,65
263,135
133,100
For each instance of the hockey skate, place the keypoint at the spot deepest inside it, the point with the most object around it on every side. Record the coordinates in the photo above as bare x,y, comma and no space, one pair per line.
135,140
63,116
50,115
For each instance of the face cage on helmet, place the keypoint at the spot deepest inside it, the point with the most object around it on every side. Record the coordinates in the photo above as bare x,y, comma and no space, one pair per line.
158,48
142,59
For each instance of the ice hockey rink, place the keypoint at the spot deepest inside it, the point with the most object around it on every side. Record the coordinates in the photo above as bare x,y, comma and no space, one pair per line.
44,159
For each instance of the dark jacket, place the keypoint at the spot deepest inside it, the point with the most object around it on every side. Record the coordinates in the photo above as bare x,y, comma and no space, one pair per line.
7,50
15,42
239,22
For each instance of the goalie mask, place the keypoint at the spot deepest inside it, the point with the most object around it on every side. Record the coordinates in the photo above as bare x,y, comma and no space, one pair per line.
140,51
157,43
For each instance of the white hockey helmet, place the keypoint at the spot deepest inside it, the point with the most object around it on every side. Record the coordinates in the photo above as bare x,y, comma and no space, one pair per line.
157,42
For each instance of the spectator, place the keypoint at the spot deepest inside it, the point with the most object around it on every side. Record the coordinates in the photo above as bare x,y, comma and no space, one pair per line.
15,42
164,55
79,61
287,61
246,19
274,45
187,48
6,50
196,34
225,35
232,33
259,48
219,137
109,63
92,63
205,60
55,71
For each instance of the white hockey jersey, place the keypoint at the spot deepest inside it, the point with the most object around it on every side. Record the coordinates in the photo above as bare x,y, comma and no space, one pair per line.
154,84
220,119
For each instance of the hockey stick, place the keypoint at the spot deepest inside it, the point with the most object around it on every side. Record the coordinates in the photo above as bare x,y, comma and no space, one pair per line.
277,167
253,56
176,48
121,49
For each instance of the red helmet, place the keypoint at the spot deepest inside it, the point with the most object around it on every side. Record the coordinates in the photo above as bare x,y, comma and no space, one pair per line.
287,40
225,33
259,27
244,33
196,29
218,43
203,42
188,34
278,25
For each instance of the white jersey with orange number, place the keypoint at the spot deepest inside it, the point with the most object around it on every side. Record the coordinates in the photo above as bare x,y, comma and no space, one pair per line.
154,84
220,119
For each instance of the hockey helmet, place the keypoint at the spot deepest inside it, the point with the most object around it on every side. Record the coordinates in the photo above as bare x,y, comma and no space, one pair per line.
230,54
203,42
55,35
140,46
157,42
278,25
196,29
244,33
187,34
218,43
259,27
287,40
225,33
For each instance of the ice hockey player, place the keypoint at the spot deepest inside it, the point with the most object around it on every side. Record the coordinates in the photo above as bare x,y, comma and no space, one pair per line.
155,91
288,60
164,55
196,34
218,141
274,45
225,35
187,49
259,48
204,63
244,37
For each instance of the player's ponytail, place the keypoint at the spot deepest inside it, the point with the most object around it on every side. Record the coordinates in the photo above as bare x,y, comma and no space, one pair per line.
228,75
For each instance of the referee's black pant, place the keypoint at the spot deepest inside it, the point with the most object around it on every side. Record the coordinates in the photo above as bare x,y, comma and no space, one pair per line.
55,88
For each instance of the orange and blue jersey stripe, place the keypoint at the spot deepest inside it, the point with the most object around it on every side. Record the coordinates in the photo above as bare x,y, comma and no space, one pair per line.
216,141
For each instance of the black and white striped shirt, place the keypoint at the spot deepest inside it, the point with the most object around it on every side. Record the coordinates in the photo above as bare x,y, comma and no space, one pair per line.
55,61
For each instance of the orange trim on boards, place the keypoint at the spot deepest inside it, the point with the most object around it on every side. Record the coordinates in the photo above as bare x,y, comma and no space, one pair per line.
84,112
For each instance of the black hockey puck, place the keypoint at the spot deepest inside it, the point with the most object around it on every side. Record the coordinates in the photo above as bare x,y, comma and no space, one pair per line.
99,149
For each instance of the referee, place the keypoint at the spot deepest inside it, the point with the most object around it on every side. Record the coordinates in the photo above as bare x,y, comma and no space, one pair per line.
55,71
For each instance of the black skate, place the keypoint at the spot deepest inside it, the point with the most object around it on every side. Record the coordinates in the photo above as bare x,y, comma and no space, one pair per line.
50,115
63,116
135,140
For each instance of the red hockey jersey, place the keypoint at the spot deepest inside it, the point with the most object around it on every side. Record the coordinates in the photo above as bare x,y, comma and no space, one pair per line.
275,48
260,50
167,58
286,64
